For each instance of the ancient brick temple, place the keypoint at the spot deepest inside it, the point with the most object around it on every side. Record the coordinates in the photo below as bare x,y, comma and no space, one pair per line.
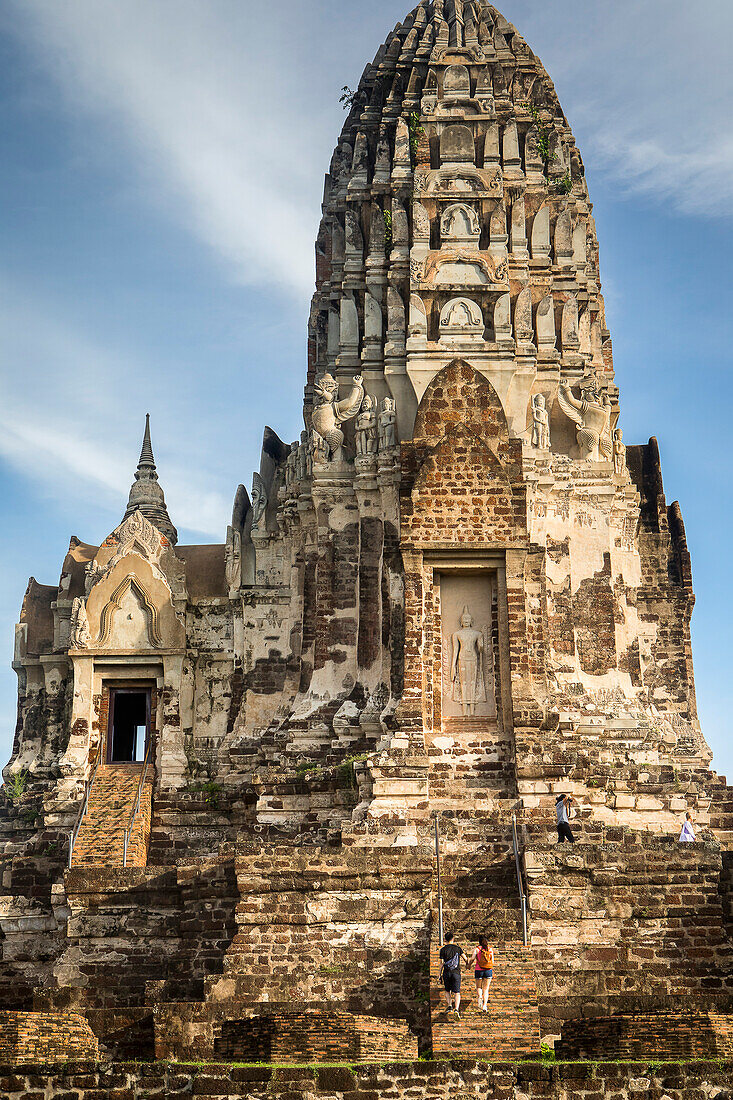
456,596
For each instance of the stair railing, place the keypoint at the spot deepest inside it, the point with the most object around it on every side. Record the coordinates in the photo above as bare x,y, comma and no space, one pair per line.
520,883
83,809
136,807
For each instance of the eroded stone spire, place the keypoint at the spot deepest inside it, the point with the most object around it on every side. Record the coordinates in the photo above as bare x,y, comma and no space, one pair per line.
146,495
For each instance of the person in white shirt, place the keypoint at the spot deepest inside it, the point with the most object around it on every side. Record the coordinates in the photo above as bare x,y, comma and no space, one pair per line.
563,803
688,833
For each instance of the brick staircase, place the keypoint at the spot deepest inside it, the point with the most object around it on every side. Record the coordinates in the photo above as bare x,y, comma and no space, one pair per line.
100,841
510,1028
480,896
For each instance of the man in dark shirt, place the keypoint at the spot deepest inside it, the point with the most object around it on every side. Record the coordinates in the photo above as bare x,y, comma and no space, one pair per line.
450,973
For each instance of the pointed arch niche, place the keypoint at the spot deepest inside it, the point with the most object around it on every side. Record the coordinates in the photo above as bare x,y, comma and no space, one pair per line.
466,556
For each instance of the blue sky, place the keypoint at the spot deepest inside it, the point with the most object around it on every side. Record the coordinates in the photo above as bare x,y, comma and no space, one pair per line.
163,165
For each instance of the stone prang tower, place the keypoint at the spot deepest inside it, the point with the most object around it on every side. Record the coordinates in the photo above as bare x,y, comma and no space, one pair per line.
458,596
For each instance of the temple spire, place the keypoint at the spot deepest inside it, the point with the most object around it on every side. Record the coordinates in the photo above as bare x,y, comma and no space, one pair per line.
146,495
146,454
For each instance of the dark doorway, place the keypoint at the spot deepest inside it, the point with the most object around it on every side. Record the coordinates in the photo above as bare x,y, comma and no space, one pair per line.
129,724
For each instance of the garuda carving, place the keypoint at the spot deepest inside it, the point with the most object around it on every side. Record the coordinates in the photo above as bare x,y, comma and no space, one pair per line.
330,412
592,417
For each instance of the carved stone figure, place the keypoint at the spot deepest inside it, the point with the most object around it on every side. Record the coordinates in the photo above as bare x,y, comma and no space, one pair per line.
386,425
330,411
259,502
233,558
291,468
92,573
619,452
592,417
540,423
366,427
467,665
319,448
80,636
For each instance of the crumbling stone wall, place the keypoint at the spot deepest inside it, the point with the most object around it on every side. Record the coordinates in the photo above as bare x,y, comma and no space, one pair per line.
442,1080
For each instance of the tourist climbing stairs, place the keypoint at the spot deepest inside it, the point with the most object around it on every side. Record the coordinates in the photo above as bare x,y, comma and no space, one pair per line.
509,1029
480,896
112,810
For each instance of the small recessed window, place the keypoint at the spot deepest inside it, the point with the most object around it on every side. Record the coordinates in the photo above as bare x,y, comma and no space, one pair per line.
129,724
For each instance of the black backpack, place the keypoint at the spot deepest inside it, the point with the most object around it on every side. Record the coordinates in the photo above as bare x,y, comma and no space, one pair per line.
453,962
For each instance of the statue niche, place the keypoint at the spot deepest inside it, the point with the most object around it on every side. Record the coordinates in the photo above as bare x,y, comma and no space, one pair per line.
467,658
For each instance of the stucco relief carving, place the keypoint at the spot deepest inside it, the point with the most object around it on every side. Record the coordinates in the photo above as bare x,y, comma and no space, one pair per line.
130,599
619,452
233,558
460,320
136,532
259,503
467,665
460,223
366,427
467,654
540,423
330,412
79,638
591,414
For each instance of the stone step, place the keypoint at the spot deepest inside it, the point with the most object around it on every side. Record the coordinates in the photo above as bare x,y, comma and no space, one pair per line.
100,840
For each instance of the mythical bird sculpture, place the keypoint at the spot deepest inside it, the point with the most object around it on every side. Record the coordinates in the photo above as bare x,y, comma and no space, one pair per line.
330,412
592,416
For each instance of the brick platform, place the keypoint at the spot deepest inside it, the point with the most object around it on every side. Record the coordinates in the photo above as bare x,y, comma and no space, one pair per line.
683,1035
32,1037
314,1036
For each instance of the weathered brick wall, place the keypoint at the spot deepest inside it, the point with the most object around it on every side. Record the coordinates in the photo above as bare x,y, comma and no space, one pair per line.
320,924
438,1080
665,597
32,930
45,1037
628,923
315,1036
680,1035
136,935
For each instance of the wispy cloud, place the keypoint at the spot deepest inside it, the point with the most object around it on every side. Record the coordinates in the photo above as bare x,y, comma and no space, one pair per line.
221,140
646,88
70,418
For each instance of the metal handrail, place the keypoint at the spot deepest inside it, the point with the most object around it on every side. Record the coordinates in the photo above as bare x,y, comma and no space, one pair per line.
440,888
520,883
136,807
82,811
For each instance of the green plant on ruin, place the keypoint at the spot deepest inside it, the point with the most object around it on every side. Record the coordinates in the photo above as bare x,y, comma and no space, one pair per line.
563,186
330,969
15,787
306,766
347,773
52,848
347,97
29,816
543,140
416,132
210,789
547,1053
387,231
